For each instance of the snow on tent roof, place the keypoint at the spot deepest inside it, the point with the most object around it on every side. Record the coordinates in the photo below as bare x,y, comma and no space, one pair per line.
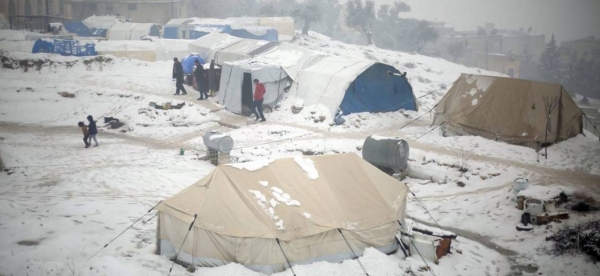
509,110
101,22
350,194
179,21
239,50
208,45
291,57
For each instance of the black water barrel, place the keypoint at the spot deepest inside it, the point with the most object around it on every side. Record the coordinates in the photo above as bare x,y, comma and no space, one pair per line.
391,153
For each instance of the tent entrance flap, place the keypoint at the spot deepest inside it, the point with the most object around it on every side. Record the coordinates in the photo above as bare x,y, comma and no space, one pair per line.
247,95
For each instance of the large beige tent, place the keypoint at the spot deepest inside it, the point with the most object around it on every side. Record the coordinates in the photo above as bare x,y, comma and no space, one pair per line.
244,209
515,111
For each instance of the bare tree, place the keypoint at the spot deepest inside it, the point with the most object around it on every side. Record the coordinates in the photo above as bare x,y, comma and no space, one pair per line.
360,16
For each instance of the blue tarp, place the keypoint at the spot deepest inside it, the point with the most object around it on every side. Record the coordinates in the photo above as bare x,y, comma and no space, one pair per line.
188,63
375,91
171,32
269,34
80,29
64,47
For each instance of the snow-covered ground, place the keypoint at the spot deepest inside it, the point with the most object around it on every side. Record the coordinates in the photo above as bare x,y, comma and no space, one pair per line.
60,203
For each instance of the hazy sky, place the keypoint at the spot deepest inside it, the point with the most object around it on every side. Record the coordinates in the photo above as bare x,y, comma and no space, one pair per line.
568,19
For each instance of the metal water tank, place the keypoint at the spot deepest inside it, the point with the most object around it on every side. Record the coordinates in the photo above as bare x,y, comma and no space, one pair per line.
391,153
216,141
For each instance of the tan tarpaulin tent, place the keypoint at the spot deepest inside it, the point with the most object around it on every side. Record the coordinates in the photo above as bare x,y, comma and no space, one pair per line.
515,111
243,209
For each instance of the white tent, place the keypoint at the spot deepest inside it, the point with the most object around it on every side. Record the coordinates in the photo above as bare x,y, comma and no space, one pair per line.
208,45
236,88
325,79
140,30
130,31
120,31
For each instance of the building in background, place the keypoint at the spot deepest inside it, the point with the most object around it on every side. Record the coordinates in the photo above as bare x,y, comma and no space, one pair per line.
488,48
58,8
34,15
144,11
574,50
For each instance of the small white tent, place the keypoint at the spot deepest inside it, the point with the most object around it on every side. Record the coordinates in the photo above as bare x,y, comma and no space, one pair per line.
237,90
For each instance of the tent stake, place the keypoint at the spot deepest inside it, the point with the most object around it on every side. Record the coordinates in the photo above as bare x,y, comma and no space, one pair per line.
355,256
285,256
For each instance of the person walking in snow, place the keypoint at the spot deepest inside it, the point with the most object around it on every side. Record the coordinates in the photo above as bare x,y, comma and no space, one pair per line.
259,94
201,81
178,76
86,134
93,130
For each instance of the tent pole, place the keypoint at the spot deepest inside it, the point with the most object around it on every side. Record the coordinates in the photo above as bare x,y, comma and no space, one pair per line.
185,238
285,256
355,256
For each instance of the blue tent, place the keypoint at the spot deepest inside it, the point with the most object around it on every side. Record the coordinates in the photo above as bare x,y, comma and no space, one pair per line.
188,63
377,90
260,33
64,47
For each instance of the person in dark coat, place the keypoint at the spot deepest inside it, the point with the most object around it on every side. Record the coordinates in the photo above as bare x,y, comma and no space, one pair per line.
211,78
92,130
200,81
178,76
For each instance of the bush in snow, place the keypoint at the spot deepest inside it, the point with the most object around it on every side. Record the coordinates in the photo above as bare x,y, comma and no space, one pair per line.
584,237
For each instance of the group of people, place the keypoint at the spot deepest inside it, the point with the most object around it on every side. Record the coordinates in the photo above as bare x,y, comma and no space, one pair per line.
203,87
202,77
89,131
